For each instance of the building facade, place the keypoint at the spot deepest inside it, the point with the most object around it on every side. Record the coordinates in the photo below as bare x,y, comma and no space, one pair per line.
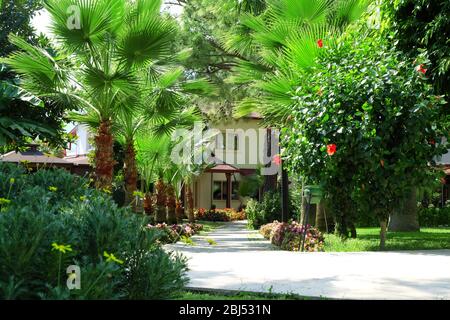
240,150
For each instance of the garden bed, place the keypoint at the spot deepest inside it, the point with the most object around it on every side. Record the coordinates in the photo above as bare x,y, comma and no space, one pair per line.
287,236
176,232
223,215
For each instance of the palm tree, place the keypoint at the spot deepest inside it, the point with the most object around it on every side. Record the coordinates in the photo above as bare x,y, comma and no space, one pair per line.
281,44
154,150
161,201
154,147
110,44
151,152
189,169
44,80
14,126
160,108
188,180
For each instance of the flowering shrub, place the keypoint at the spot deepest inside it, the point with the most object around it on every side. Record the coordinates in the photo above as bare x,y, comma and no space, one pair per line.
287,236
211,215
44,230
173,233
237,215
223,215
266,229
314,239
341,134
197,227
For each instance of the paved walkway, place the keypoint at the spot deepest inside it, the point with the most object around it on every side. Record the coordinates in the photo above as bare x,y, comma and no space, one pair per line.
243,260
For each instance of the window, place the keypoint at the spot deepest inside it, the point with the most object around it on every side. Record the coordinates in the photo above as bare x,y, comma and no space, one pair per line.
220,190
235,138
235,190
222,138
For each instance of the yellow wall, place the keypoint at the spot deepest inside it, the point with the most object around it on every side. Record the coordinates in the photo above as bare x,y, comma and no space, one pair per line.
202,186
249,154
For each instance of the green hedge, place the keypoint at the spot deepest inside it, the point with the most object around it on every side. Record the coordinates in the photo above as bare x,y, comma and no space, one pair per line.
434,216
268,210
119,258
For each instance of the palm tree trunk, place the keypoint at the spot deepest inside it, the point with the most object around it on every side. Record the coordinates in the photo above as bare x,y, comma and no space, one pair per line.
148,204
104,160
179,211
130,173
190,204
171,204
161,199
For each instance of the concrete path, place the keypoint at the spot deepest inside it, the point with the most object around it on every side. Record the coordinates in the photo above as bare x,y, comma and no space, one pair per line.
244,260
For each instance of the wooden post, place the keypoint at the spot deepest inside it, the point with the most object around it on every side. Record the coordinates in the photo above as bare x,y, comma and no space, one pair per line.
228,175
211,193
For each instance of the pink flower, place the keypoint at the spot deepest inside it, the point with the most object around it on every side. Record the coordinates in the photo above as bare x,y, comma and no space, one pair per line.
277,160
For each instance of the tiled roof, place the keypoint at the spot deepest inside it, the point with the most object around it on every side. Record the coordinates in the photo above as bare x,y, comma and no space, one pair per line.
224,168
32,157
81,160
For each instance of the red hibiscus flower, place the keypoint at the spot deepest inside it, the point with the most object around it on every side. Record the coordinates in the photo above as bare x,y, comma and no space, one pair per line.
331,149
421,69
277,159
432,142
320,43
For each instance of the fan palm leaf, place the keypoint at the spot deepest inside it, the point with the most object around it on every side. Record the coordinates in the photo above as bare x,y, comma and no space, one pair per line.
84,24
287,38
145,39
40,72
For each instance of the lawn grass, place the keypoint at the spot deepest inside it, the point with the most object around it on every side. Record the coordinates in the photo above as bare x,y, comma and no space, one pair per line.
205,295
368,240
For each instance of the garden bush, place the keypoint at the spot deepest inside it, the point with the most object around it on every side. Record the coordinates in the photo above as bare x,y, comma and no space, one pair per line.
269,209
223,215
252,211
266,229
361,113
432,216
52,219
287,236
173,233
